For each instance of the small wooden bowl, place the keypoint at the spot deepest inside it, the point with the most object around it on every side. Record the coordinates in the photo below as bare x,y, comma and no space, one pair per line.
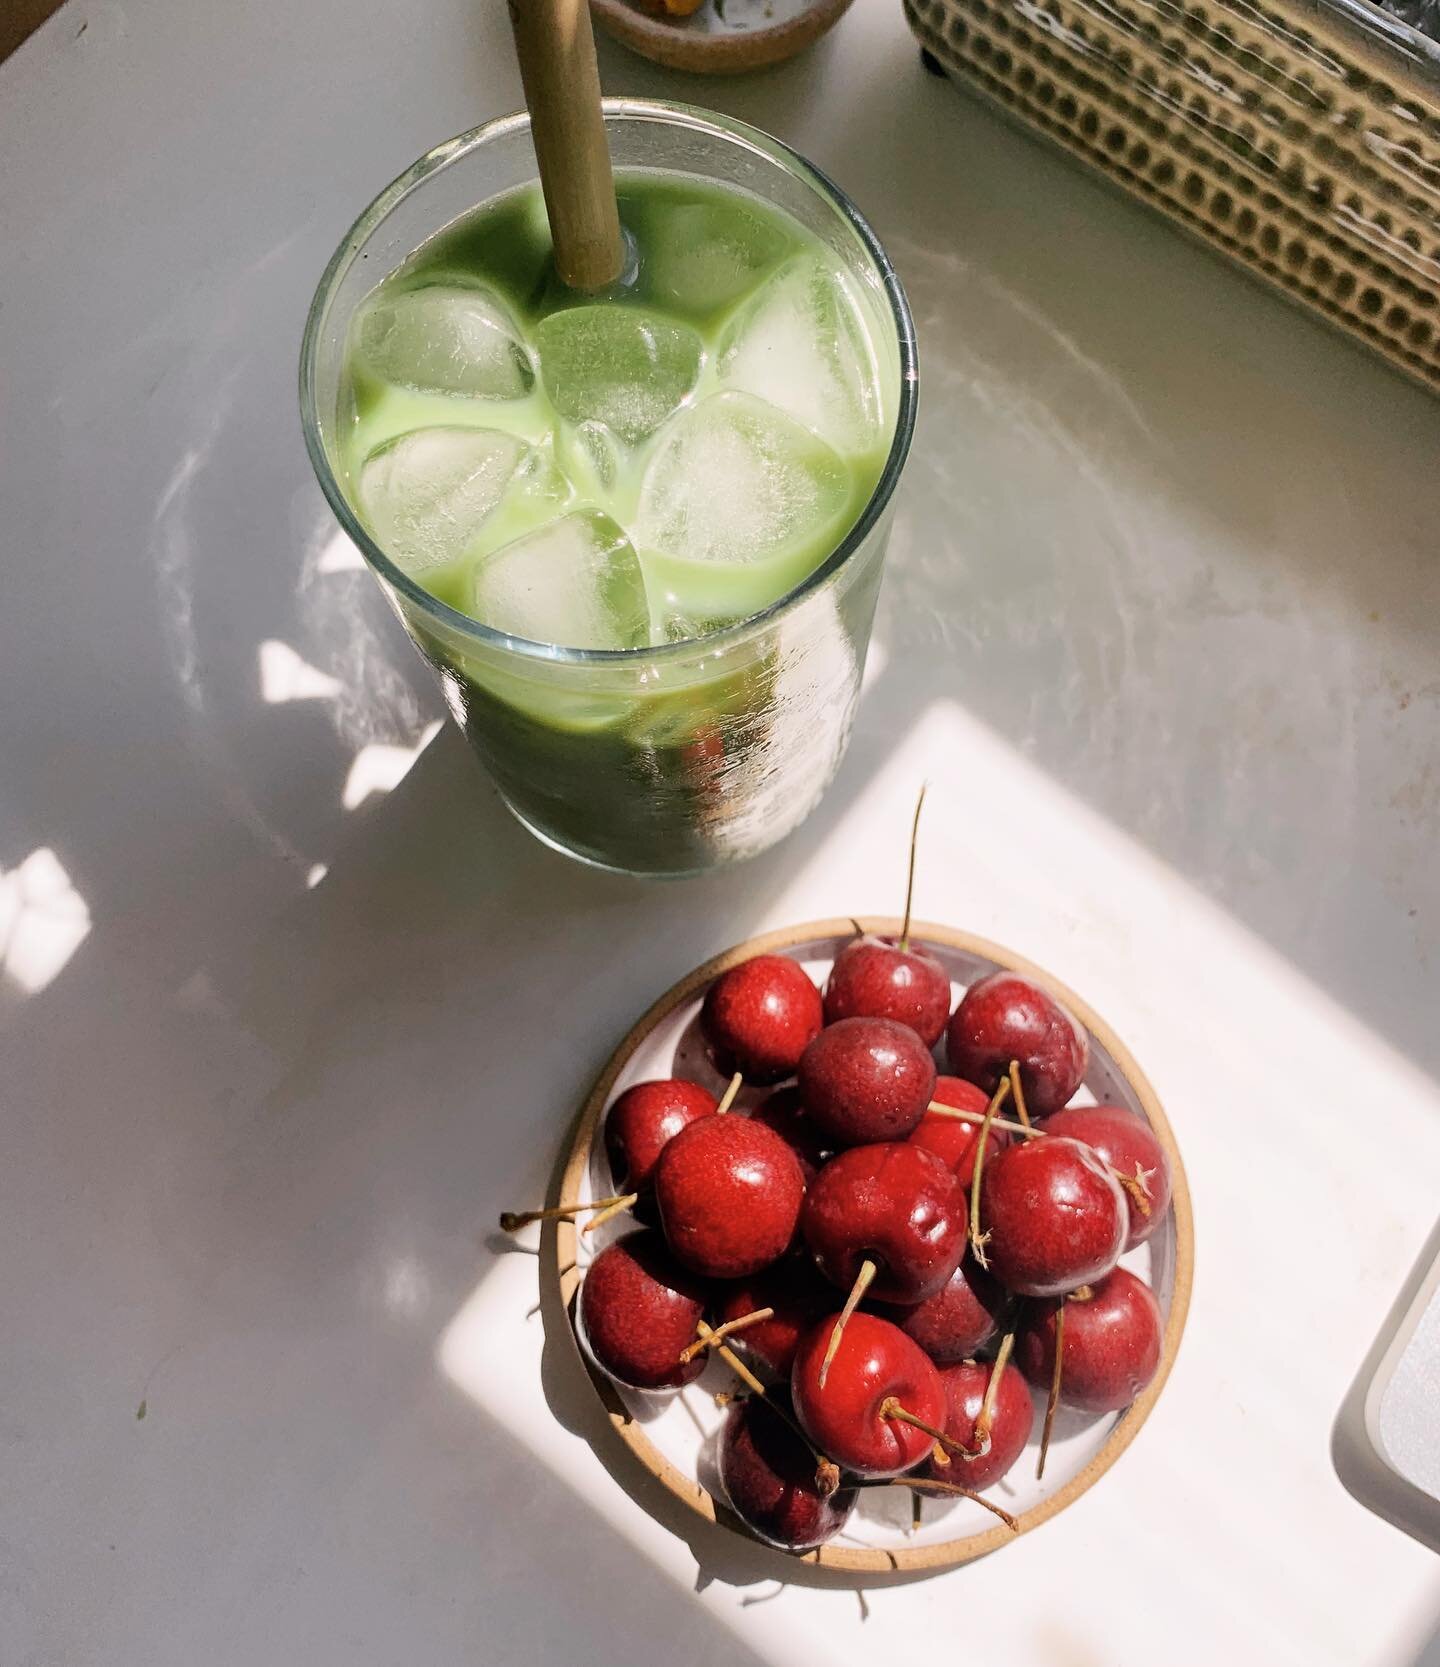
702,45
666,1042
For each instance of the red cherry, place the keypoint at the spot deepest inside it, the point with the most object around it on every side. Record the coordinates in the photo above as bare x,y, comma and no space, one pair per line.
729,1192
799,1297
643,1120
864,1080
759,1016
637,1311
783,1112
1112,1343
1128,1144
1011,1418
1055,1217
1003,1017
769,1475
873,978
960,1318
951,1140
876,1363
894,1205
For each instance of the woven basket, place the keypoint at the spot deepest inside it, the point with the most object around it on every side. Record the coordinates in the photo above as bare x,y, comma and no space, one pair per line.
1304,142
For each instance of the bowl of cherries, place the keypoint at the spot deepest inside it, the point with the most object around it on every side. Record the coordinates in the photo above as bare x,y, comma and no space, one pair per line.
874,1242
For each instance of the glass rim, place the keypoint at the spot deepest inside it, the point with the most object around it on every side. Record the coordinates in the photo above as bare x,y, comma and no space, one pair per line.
664,110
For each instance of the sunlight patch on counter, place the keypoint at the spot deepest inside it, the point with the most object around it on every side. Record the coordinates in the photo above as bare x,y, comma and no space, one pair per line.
43,920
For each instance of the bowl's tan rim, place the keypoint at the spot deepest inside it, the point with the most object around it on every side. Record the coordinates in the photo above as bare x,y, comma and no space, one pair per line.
667,41
558,1246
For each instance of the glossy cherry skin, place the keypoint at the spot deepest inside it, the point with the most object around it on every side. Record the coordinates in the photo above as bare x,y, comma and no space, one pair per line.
873,978
794,1289
949,1138
729,1192
783,1112
759,1016
1010,1424
1003,1017
864,1080
644,1120
1055,1217
1127,1143
1112,1343
637,1310
875,1361
895,1204
768,1473
960,1318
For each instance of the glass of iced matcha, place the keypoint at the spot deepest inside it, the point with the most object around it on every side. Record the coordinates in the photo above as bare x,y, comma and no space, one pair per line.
638,533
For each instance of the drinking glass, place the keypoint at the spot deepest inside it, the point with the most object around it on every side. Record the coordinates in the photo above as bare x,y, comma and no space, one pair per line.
655,761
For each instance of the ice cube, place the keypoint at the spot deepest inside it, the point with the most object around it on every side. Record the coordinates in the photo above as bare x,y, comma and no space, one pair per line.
575,582
447,338
702,256
427,494
624,366
800,344
591,458
735,480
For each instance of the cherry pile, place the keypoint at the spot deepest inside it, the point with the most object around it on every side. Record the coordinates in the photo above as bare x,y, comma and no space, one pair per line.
886,1261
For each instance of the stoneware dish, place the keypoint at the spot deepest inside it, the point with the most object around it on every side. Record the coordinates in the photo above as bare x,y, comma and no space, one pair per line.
724,37
673,1437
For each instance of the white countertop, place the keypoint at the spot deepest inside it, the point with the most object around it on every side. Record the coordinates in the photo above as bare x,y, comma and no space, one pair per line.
1161,628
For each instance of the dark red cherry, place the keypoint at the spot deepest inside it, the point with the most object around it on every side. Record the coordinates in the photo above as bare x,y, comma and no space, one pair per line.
875,1365
894,1205
643,1120
759,1016
799,1296
950,1139
1003,1017
783,1112
729,1192
1128,1144
768,1474
637,1311
1052,1216
959,1319
1011,1419
873,978
866,1080
1112,1343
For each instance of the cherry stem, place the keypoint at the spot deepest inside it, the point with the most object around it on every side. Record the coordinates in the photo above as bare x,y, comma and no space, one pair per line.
859,929
977,1238
1054,1398
511,1221
926,1484
1017,1093
867,1272
986,1415
916,1501
891,1408
688,1353
940,1109
615,1207
727,1099
1138,1186
903,943
731,1359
